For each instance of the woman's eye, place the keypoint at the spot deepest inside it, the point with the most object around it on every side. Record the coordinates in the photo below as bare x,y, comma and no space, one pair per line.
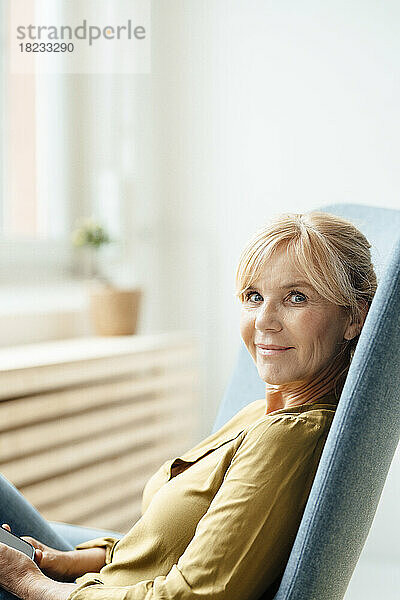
253,297
297,297
294,297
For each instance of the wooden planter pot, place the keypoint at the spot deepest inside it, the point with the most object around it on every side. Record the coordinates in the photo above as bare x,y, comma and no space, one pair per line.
114,311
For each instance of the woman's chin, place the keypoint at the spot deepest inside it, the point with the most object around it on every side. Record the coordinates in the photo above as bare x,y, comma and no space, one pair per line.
274,378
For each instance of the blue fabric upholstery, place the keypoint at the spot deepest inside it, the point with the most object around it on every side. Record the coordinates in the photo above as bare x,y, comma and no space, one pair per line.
75,534
244,387
363,436
381,226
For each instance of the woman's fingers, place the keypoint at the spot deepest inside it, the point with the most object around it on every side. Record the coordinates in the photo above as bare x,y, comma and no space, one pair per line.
37,545
43,554
31,540
38,548
38,556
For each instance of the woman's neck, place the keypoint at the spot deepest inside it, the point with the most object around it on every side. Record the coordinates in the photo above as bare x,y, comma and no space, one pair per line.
327,382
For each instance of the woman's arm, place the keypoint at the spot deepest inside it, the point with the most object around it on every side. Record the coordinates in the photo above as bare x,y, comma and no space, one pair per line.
73,563
67,565
47,589
90,560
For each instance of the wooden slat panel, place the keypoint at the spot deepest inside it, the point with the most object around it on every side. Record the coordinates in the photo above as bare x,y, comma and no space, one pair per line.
103,410
49,435
25,411
113,519
92,503
60,460
21,382
55,490
124,525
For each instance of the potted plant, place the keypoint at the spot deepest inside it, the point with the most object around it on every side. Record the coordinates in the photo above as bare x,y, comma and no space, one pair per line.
113,310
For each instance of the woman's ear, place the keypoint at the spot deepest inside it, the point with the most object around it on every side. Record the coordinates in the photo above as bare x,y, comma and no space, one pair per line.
354,326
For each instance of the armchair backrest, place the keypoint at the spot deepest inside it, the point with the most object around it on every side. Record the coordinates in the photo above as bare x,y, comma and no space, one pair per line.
363,436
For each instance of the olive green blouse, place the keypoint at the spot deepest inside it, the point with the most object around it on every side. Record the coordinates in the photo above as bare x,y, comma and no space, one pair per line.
219,521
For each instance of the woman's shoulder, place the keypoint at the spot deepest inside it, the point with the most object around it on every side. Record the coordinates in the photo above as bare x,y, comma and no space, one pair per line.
281,447
253,416
304,421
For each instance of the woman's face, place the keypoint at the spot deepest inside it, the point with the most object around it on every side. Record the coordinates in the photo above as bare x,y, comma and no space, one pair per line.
289,329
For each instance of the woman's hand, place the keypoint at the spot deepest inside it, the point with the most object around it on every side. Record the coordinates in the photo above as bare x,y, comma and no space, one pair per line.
22,577
54,563
18,573
65,565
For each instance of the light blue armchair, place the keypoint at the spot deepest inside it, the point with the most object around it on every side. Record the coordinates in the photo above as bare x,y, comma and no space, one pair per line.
362,439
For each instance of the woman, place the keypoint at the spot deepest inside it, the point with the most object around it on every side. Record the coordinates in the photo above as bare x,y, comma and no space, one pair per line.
219,522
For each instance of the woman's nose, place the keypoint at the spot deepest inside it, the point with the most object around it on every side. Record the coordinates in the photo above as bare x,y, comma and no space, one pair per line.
267,317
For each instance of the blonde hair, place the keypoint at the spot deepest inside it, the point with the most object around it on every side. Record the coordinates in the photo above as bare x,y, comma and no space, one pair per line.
330,251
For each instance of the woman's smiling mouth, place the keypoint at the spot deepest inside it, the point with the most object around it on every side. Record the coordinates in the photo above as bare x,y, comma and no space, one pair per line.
271,349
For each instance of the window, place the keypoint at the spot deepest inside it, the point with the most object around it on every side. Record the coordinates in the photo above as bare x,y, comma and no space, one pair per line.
35,222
